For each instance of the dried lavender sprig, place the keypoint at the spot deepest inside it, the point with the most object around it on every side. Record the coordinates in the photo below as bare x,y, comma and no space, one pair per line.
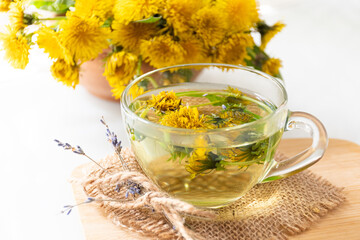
69,208
132,188
112,138
77,150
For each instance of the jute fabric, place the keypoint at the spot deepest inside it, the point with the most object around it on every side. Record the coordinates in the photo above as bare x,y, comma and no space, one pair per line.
274,210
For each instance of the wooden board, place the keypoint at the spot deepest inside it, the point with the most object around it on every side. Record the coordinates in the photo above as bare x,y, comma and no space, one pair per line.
340,165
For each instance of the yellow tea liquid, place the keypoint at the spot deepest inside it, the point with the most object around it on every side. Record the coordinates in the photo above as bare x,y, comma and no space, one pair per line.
210,175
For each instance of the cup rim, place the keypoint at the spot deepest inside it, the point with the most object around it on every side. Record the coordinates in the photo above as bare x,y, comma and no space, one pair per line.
201,130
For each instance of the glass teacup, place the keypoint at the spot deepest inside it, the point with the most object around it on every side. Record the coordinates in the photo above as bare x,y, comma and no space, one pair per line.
214,167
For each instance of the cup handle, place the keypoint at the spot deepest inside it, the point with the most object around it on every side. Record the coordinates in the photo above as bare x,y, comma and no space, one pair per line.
306,158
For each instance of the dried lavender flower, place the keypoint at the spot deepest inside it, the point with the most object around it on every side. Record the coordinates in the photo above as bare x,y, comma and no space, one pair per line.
90,199
77,150
117,188
67,146
112,138
132,188
69,208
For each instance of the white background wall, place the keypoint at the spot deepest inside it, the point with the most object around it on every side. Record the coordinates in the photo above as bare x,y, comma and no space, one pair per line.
320,51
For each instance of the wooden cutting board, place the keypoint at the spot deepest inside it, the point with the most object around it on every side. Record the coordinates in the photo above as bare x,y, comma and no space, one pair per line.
340,165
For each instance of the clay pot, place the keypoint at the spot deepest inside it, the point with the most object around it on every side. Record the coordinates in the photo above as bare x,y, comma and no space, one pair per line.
92,79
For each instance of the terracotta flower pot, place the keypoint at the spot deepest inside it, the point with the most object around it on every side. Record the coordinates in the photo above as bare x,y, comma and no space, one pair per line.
92,79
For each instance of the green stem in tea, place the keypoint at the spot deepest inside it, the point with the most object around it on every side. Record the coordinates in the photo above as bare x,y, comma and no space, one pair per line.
206,104
263,105
140,108
201,94
143,114
246,163
252,114
215,102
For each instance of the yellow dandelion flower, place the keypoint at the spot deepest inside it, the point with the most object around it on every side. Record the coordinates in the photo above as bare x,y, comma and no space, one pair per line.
201,161
126,11
136,91
129,35
16,15
89,8
198,163
162,51
16,48
117,90
201,142
178,13
83,37
201,145
50,41
120,68
230,119
235,91
249,154
233,50
210,54
164,101
4,5
194,50
66,73
210,25
184,117
242,14
234,154
233,118
267,32
271,66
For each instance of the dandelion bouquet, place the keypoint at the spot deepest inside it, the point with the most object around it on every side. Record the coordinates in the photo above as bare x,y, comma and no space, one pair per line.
157,32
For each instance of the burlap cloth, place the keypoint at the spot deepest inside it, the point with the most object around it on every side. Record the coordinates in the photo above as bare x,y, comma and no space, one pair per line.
272,210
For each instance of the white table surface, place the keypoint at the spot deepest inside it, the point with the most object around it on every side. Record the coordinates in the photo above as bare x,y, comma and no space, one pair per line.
320,51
